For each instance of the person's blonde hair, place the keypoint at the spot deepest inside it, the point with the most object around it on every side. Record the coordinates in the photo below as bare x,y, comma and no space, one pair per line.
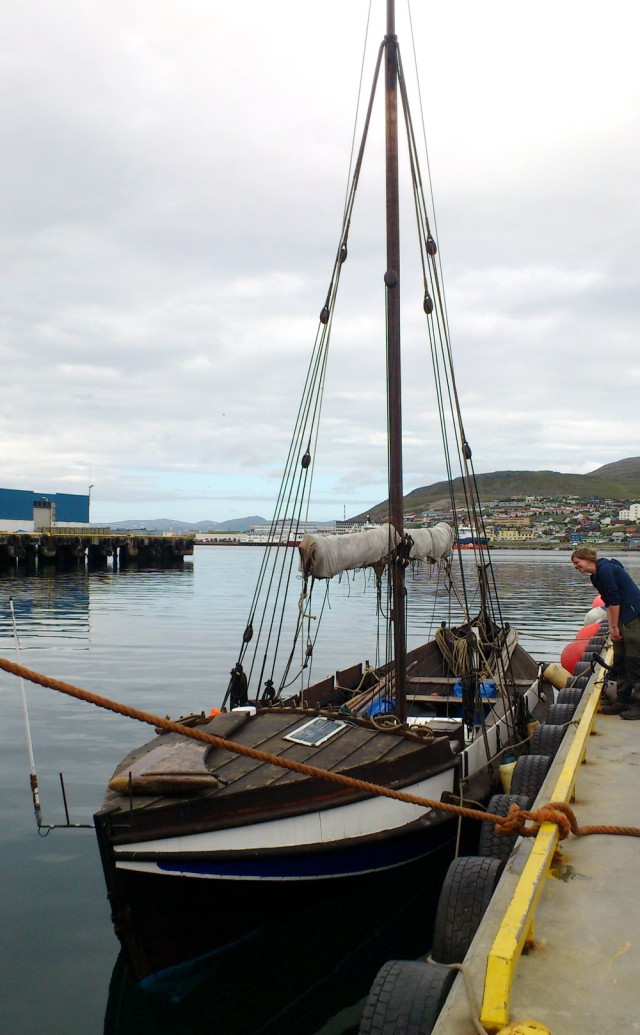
585,553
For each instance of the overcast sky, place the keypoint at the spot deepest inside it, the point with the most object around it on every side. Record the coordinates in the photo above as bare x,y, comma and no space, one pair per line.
173,176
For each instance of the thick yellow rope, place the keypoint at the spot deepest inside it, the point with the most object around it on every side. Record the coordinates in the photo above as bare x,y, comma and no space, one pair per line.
514,822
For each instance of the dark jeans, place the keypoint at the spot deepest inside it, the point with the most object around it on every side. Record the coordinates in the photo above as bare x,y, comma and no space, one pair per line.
626,661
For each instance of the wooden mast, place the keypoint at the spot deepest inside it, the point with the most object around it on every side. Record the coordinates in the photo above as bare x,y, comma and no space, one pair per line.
394,398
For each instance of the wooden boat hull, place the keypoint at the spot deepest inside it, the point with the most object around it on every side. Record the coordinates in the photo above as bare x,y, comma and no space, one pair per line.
166,920
310,846
313,959
293,974
241,840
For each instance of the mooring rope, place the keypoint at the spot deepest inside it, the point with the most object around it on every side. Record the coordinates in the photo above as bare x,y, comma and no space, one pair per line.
514,822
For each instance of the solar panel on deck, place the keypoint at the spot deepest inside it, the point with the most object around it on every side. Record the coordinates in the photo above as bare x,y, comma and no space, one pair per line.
315,732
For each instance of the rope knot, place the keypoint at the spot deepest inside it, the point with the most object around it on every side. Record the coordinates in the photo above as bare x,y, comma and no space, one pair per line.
557,812
513,822
527,824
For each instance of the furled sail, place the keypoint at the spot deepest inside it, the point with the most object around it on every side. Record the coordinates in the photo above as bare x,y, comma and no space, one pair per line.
431,543
324,556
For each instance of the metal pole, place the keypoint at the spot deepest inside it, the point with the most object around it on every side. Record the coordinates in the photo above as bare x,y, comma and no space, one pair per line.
33,776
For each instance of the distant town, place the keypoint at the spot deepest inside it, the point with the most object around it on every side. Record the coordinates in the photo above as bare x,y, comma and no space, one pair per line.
554,521
519,520
533,521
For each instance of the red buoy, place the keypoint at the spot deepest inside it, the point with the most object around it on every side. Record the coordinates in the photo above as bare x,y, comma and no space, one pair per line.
598,601
572,653
588,631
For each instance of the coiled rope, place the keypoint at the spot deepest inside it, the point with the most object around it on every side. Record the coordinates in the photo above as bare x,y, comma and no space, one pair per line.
514,822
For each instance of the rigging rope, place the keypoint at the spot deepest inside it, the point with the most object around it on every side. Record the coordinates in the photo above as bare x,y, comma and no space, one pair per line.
515,821
291,511
446,389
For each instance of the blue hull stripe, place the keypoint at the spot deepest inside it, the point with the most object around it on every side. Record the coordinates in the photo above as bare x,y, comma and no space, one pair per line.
341,863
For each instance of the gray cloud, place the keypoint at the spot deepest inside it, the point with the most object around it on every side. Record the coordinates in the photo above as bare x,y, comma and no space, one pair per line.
172,184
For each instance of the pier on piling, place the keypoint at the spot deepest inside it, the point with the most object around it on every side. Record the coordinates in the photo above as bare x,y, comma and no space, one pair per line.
66,548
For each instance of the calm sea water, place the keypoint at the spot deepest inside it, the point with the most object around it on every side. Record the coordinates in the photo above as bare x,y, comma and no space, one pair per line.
163,641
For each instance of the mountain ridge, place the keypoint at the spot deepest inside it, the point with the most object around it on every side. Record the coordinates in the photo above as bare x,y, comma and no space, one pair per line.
619,481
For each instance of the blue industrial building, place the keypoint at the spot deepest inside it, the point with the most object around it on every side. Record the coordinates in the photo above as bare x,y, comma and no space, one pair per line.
17,508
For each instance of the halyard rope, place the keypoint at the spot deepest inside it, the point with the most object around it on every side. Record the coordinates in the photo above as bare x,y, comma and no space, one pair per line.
513,823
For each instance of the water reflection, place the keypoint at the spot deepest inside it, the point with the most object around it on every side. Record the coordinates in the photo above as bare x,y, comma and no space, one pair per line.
47,606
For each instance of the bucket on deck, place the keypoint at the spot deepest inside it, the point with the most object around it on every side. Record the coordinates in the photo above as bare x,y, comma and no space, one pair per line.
383,706
487,688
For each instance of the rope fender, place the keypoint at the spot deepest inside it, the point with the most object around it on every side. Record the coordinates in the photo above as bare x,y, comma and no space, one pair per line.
514,822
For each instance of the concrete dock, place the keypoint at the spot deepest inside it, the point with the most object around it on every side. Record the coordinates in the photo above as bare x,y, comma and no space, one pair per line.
573,909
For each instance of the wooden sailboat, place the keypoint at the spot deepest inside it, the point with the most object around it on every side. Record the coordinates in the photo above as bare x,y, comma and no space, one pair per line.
203,846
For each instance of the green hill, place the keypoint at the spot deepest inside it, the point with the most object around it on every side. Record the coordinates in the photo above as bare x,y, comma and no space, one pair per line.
617,481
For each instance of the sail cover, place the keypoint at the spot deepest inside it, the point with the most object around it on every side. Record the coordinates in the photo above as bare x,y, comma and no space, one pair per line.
431,543
324,556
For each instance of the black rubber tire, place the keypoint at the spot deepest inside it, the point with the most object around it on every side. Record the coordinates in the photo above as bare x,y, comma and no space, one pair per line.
570,695
528,775
578,681
406,998
582,667
465,895
546,740
491,843
557,714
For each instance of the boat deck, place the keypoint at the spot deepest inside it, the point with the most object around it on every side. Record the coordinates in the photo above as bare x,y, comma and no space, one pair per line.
198,785
580,974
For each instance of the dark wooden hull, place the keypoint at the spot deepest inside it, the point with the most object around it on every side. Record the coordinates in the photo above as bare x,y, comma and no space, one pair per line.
166,922
203,870
318,955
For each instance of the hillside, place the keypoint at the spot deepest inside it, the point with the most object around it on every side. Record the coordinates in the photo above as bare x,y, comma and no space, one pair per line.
617,481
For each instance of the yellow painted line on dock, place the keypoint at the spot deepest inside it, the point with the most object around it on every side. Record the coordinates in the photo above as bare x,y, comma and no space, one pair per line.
517,925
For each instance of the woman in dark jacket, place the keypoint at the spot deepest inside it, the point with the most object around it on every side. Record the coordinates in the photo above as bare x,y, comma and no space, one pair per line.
621,598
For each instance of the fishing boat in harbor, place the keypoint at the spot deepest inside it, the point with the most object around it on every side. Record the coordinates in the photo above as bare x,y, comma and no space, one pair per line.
284,800
466,539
